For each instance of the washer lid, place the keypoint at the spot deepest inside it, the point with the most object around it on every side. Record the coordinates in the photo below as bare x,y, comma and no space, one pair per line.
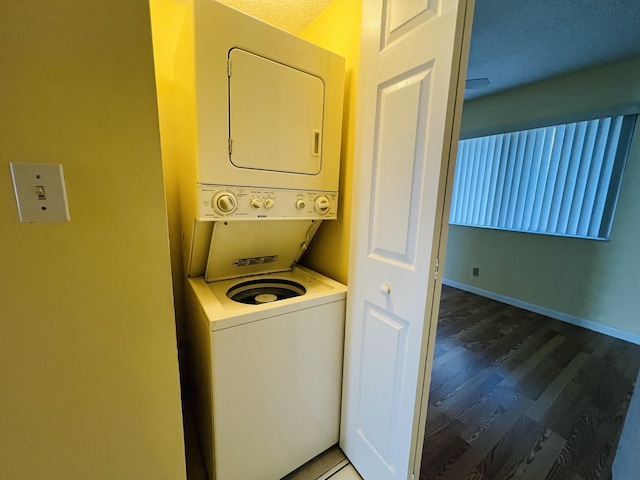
242,248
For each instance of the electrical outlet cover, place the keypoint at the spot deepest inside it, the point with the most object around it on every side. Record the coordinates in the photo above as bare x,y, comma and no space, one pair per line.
40,192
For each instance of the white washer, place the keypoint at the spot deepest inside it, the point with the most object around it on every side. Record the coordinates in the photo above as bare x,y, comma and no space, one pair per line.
267,376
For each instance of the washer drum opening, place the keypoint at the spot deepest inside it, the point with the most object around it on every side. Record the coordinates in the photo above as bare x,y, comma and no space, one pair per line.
257,292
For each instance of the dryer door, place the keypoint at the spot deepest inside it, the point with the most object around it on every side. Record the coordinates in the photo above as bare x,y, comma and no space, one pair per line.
275,116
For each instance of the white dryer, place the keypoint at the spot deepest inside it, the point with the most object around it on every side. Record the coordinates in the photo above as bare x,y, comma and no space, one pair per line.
268,370
260,110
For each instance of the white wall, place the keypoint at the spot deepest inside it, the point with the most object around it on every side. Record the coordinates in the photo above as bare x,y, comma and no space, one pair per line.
593,280
88,358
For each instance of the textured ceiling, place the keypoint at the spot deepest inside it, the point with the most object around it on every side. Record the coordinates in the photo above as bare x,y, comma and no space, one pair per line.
513,42
517,42
289,15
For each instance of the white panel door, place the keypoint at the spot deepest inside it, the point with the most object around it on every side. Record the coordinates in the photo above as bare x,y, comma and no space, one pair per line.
408,119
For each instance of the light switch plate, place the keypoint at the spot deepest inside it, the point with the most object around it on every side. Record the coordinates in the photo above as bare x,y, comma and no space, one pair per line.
40,192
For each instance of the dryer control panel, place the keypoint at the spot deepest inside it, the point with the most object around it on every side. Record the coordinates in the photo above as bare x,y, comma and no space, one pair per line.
226,202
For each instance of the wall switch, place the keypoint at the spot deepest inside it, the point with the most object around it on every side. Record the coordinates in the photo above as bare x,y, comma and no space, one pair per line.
40,192
476,271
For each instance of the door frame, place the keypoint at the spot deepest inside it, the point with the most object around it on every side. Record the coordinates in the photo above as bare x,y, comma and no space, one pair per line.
453,124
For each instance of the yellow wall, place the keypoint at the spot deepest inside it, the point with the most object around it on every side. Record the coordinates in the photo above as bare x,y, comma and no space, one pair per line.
337,29
88,359
166,20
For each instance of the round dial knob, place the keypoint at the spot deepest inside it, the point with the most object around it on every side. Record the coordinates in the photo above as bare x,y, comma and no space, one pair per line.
224,202
322,205
268,203
300,204
256,203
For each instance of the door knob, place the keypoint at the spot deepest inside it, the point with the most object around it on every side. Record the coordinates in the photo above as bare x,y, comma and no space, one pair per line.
385,289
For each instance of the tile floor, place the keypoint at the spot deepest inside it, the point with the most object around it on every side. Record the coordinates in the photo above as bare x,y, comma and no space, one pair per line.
346,473
322,467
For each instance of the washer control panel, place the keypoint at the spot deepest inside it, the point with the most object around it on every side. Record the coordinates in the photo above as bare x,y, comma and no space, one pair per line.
224,202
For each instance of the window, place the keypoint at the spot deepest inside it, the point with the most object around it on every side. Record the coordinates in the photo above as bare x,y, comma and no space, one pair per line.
557,180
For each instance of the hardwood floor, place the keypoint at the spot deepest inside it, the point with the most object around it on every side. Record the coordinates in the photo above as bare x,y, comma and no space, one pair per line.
518,395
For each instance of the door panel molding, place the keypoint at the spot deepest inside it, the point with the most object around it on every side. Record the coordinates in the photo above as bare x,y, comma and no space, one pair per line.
399,156
401,17
381,382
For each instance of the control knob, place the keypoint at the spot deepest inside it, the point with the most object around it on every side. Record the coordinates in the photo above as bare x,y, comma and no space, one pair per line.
300,204
268,203
256,203
322,205
224,202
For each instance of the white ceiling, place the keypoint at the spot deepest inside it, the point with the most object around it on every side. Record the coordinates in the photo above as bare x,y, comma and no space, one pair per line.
289,15
516,42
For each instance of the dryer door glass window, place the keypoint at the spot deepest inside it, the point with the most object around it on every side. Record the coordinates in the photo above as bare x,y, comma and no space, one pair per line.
276,115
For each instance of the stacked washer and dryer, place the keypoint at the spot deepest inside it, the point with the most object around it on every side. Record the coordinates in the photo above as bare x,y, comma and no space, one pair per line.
259,119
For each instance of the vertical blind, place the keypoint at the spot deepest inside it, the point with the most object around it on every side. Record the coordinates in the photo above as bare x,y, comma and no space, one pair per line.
559,180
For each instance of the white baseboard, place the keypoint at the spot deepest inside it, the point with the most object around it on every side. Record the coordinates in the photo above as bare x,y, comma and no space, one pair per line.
565,317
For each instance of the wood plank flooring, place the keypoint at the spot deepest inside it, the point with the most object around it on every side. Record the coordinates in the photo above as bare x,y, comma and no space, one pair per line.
518,395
